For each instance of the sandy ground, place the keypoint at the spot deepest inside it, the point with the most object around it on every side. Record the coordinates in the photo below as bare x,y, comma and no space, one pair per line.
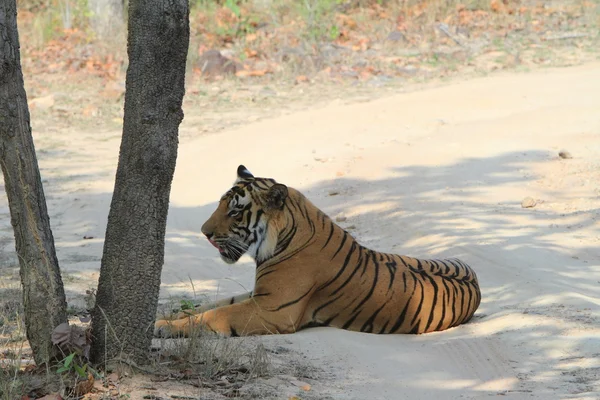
438,172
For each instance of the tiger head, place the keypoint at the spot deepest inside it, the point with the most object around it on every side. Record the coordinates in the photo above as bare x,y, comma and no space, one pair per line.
247,218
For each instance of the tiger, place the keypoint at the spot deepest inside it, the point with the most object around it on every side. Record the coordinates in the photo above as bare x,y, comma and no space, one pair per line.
312,273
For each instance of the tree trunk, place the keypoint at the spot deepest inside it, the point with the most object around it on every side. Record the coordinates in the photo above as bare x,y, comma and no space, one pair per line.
43,293
106,19
127,296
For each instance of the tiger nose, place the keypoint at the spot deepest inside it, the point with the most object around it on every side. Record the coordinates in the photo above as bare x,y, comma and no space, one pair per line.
206,231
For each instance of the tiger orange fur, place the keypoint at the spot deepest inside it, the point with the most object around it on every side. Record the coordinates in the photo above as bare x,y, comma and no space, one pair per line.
311,272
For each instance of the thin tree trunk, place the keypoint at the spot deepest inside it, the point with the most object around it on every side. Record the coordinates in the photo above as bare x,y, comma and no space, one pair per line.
127,296
43,293
106,18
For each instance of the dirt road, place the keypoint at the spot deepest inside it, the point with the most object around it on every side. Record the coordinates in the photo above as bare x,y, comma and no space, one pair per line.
439,172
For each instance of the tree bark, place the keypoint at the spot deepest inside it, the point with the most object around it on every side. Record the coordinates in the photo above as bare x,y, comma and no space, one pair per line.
43,292
127,296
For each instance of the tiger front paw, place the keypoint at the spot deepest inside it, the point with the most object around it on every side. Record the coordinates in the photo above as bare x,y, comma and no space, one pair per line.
164,328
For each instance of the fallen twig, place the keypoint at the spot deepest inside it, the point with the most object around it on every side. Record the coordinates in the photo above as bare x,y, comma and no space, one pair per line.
444,29
566,36
133,365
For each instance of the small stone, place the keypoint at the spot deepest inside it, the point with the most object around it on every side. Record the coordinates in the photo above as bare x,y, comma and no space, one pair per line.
340,218
267,92
227,53
395,36
350,227
528,202
213,63
408,70
333,193
564,154
512,60
462,31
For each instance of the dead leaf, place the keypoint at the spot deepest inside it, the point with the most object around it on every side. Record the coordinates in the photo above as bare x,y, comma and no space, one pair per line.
99,387
71,338
61,334
114,90
301,78
90,111
346,21
188,373
251,53
302,385
362,45
497,6
113,377
366,72
84,386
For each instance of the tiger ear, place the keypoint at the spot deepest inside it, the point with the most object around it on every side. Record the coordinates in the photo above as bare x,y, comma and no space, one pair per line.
276,196
243,173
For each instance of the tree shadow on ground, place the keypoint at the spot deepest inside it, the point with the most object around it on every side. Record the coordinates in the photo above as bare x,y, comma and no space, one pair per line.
541,293
539,317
